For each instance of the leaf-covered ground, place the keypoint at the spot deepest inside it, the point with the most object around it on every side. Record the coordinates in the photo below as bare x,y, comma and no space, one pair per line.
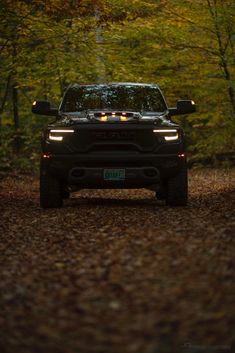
118,271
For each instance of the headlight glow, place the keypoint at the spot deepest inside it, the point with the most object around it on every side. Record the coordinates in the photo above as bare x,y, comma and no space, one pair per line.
57,135
168,134
63,131
55,138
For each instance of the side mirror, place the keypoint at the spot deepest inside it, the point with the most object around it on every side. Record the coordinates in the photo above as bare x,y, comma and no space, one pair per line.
44,108
183,107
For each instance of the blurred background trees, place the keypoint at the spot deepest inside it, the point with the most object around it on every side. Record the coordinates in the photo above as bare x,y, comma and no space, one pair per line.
186,46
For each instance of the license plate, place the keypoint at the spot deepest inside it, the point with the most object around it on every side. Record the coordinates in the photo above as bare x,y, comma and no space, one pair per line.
114,174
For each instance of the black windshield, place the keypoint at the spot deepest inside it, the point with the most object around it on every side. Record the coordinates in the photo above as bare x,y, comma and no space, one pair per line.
114,97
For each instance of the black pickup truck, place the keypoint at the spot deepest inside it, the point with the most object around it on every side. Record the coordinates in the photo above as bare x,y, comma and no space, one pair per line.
117,135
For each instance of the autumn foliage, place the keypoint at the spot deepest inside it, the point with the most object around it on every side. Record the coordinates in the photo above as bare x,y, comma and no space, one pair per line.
187,47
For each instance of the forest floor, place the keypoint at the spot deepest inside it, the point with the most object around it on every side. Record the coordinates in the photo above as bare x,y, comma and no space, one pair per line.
116,271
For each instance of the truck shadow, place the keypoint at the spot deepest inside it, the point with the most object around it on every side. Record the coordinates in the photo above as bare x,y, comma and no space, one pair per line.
214,199
108,202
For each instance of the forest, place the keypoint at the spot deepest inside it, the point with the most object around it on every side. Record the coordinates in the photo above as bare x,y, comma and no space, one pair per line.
187,47
118,270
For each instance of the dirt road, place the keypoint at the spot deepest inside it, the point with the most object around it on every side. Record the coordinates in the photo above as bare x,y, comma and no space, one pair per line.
118,271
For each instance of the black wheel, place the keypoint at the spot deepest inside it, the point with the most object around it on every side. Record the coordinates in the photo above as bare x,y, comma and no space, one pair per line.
50,191
65,192
177,188
161,194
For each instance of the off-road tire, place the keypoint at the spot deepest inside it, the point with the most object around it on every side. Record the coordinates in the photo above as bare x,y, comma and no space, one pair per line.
65,192
50,191
161,193
177,188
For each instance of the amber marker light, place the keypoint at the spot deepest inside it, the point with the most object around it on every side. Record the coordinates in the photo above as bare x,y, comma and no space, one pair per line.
103,118
123,118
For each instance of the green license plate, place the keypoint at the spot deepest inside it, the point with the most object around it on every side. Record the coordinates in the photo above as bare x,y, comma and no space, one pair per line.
114,174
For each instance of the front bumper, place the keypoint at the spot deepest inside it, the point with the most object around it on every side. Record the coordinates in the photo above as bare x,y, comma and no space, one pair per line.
87,170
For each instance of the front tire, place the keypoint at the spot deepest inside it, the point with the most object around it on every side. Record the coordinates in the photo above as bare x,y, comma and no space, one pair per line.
65,192
161,194
50,191
177,188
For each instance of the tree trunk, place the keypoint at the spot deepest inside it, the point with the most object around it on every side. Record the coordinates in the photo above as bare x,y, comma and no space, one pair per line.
59,77
222,50
16,141
99,53
14,98
4,98
227,77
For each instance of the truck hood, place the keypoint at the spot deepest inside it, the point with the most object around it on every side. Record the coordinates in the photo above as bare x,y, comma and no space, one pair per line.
112,117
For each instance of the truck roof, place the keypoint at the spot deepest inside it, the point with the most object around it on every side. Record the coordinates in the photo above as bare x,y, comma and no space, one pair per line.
116,84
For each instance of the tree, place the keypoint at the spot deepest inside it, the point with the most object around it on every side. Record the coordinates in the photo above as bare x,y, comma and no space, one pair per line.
39,42
186,46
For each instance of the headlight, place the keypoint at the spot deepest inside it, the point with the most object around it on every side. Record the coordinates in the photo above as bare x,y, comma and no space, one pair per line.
168,134
58,135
